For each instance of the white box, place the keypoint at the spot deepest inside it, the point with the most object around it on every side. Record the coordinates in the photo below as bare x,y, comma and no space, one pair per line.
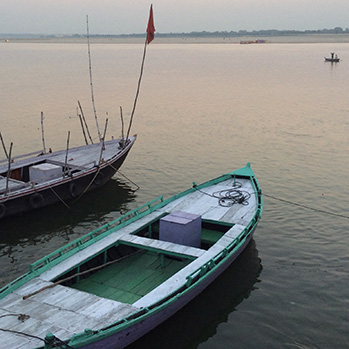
182,228
44,172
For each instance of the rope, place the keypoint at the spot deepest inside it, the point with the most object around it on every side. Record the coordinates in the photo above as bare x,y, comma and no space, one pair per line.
230,197
125,177
88,186
21,317
59,198
307,207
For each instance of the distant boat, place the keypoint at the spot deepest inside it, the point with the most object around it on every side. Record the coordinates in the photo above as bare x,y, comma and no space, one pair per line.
117,283
334,58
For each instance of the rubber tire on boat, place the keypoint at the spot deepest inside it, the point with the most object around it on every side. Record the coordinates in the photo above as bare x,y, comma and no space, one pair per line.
73,190
36,200
2,210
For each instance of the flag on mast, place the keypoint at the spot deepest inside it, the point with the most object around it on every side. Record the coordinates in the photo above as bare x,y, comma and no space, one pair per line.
150,28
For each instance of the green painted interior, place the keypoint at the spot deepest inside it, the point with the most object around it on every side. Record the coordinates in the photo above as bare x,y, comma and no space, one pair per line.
131,278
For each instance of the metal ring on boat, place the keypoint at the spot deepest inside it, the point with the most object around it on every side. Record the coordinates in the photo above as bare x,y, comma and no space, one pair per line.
72,190
2,210
36,200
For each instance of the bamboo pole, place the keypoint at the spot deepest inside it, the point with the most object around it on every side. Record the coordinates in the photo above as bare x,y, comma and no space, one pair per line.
8,168
122,126
102,141
3,145
82,127
66,156
91,84
42,133
138,88
83,117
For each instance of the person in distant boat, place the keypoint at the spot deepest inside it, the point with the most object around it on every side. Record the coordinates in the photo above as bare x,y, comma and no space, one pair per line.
332,54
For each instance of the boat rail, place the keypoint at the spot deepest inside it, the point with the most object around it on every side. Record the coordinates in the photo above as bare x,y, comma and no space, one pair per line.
98,233
203,269
79,244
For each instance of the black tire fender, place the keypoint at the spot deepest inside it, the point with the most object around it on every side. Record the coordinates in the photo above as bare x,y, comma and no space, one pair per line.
36,200
73,190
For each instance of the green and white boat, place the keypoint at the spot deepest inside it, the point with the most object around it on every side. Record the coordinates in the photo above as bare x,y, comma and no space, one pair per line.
115,284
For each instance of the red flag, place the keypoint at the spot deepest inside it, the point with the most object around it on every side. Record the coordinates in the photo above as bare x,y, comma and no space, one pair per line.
150,28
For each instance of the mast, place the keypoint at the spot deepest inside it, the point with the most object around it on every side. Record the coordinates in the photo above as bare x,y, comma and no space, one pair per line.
91,84
42,133
148,39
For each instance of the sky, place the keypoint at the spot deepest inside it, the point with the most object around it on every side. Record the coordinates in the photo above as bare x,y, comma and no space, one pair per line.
170,16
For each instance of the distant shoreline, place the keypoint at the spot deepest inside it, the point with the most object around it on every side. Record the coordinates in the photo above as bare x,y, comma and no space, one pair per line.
291,39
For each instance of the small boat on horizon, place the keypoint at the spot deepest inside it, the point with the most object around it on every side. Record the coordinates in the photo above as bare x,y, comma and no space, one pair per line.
112,286
334,58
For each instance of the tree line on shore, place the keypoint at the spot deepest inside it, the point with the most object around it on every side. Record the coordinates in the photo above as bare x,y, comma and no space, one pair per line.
204,34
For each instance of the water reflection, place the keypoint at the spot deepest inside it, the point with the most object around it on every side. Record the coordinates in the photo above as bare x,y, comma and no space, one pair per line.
198,321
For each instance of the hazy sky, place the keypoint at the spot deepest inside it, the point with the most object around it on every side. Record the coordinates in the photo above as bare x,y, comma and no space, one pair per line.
130,16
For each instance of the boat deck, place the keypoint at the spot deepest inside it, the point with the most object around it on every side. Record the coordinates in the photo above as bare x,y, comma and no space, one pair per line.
120,289
79,158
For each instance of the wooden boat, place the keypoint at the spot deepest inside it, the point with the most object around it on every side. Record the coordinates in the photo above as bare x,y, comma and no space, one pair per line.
115,284
34,181
334,58
30,181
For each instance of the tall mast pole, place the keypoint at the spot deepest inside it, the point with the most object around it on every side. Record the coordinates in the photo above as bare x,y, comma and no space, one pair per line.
91,84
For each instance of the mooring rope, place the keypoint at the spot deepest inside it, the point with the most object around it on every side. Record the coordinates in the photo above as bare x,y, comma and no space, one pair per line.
233,196
117,171
88,186
307,207
64,203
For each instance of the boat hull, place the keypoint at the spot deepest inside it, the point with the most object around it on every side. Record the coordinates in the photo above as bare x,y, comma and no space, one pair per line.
332,60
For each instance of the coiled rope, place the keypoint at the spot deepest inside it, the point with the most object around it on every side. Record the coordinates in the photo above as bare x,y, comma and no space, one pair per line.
230,197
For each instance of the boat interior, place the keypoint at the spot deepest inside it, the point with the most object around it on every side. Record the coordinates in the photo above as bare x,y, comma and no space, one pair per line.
135,265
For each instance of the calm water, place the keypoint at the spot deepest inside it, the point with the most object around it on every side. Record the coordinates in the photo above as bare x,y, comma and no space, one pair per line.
205,109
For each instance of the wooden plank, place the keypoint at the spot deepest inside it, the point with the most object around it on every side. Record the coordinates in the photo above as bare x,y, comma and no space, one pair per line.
235,231
163,245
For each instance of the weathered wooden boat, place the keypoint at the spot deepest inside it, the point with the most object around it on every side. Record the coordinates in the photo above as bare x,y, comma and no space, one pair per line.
115,284
30,181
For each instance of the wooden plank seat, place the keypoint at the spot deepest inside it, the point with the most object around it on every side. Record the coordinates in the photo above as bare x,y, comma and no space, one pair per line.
69,165
164,246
